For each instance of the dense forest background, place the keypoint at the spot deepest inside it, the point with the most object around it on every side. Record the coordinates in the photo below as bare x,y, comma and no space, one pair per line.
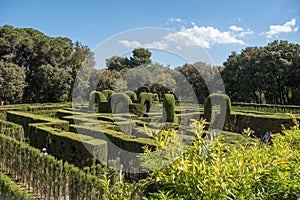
37,68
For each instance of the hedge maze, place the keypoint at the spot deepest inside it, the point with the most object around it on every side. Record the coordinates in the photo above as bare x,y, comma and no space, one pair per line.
110,128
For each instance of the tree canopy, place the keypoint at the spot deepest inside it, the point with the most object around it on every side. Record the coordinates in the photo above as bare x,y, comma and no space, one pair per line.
35,67
47,61
268,74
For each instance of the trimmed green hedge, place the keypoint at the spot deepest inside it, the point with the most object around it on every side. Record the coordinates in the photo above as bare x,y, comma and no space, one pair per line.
11,191
53,134
48,176
116,138
119,103
137,108
132,95
259,123
146,101
223,117
145,89
266,107
25,119
80,150
34,108
108,93
11,129
169,107
95,98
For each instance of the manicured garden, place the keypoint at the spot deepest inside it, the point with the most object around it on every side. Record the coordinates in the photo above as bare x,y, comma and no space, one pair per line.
165,149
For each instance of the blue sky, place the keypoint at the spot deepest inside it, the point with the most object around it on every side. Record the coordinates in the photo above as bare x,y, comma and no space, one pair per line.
218,27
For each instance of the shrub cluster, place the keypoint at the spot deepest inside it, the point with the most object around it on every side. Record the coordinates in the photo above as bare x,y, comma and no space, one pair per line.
214,170
10,190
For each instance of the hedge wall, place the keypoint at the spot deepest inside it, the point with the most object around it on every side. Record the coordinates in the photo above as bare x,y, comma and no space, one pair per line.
132,95
225,109
9,190
80,150
53,134
11,129
31,108
169,108
108,93
145,89
47,176
119,103
24,119
259,123
95,98
266,107
116,138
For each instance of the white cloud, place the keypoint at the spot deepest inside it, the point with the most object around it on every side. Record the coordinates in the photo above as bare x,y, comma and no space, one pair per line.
240,30
202,36
156,45
176,20
236,28
130,44
275,30
136,44
248,32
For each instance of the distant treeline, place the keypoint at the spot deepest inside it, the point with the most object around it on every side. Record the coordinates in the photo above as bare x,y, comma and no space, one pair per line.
37,68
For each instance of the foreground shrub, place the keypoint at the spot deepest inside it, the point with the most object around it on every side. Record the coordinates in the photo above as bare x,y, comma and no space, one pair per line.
217,120
10,190
214,170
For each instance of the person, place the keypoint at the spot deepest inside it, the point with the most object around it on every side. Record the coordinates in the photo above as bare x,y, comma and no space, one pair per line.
44,152
267,137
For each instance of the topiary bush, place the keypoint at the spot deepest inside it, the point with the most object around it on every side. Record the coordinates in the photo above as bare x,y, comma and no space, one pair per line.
108,93
145,89
169,108
95,98
217,120
146,100
132,95
119,103
155,98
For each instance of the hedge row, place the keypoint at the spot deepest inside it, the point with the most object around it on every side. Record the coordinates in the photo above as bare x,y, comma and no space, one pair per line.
108,93
53,134
119,103
24,119
11,129
259,123
34,108
115,139
80,150
9,190
132,95
95,98
266,107
48,177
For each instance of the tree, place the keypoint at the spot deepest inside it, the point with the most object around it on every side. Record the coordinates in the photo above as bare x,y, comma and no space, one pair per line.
31,49
163,83
198,75
266,74
12,82
82,55
117,63
137,77
107,80
140,57
56,84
